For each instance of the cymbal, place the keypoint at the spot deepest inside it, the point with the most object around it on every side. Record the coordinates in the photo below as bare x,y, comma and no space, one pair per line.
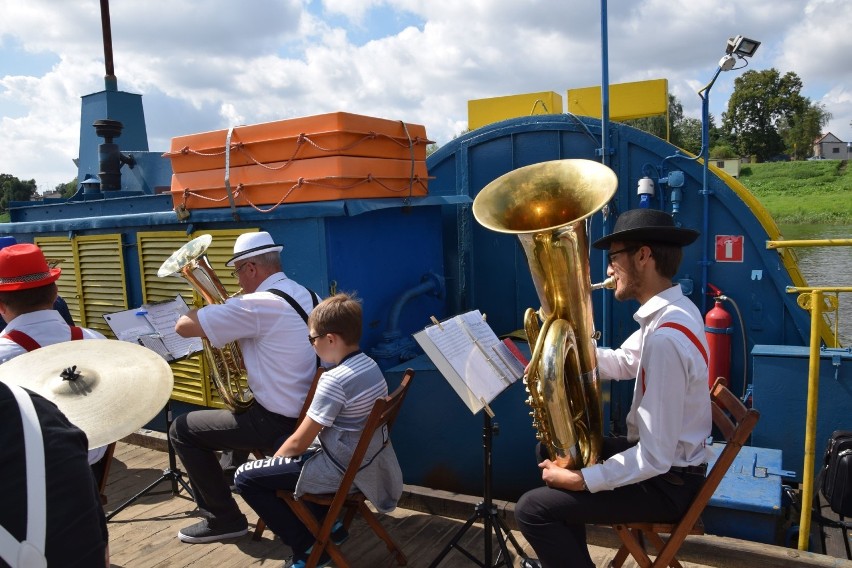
111,388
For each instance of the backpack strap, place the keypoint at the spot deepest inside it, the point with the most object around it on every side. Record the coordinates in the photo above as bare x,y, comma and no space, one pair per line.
30,552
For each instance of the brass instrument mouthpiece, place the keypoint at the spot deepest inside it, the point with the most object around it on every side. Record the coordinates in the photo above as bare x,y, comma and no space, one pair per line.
609,284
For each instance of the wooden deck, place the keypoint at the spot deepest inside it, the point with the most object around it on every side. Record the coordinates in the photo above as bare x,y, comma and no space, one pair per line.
145,533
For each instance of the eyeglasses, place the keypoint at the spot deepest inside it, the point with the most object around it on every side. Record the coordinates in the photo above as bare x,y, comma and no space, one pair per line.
236,271
313,338
611,255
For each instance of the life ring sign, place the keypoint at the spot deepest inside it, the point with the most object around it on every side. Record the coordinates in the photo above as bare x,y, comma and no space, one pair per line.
729,248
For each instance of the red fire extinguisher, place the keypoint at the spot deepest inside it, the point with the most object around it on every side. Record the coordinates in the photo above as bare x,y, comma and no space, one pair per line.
718,329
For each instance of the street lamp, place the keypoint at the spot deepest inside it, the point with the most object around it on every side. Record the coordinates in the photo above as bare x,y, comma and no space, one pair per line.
737,49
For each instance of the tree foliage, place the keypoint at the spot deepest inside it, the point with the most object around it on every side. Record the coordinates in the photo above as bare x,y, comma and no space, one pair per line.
67,190
684,132
13,189
800,131
767,115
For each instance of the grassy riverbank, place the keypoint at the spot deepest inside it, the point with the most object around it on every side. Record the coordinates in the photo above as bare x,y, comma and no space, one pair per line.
818,191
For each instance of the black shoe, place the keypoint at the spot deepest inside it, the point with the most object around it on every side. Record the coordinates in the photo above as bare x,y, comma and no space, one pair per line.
530,563
212,530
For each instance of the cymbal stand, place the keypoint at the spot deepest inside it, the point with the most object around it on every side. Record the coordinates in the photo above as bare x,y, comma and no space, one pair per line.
486,511
171,473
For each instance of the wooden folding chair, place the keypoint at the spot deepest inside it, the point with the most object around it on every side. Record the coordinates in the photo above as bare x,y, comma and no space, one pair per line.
348,497
260,526
735,422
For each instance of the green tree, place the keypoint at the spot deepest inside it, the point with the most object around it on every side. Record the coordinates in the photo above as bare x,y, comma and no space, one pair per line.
683,132
13,189
801,129
67,190
759,101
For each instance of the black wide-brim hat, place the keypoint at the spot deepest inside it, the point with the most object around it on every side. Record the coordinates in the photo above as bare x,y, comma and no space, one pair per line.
647,226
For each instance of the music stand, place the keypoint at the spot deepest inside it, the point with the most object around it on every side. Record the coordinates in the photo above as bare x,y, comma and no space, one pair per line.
479,367
486,511
152,326
171,473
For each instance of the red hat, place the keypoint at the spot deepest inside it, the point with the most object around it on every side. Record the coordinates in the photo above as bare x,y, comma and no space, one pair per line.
23,266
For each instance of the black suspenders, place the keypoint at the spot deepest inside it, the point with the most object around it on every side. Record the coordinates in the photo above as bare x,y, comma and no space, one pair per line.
295,305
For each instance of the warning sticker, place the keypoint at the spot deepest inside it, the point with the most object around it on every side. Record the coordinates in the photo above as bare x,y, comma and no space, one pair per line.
729,248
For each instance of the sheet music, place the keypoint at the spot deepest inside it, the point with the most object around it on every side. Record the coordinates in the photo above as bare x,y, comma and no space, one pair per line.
152,325
471,357
163,317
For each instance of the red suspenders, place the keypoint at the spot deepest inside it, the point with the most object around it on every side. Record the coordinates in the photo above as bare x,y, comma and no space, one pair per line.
688,333
30,344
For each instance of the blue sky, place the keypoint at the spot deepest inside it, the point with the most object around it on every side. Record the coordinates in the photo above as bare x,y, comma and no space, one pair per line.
208,65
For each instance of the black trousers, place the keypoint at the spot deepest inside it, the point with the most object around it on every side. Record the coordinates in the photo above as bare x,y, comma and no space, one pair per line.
199,434
554,520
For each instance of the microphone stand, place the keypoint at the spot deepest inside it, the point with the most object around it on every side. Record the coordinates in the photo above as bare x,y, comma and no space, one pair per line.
486,511
171,473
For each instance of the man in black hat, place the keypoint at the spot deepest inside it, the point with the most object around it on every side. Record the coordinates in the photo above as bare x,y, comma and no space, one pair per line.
269,321
654,472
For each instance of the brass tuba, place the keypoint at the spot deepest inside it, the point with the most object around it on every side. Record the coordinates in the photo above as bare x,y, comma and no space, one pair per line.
546,205
227,369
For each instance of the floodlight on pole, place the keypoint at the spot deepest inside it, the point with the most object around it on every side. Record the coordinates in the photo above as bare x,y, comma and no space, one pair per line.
737,49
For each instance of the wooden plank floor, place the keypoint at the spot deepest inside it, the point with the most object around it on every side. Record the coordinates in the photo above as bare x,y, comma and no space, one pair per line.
145,533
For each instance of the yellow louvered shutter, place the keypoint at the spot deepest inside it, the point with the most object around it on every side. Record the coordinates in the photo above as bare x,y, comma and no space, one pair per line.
94,283
60,251
102,279
192,382
154,248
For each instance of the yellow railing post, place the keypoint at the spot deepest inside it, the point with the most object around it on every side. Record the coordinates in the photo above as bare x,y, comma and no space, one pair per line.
811,298
814,304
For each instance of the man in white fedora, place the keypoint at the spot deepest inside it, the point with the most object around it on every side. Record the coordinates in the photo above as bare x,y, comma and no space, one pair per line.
269,321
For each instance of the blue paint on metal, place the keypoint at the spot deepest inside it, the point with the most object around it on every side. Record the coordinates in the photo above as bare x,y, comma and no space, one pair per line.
114,105
781,393
747,503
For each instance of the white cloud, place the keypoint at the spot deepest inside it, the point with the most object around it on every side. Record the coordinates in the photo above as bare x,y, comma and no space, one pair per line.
205,66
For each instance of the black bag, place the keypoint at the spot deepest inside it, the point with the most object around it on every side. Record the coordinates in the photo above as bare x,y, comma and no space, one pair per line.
836,474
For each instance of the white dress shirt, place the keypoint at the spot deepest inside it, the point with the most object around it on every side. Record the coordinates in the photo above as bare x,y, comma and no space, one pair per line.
670,414
279,361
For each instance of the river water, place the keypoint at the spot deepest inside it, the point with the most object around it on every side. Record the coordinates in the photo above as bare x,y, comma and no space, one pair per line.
827,266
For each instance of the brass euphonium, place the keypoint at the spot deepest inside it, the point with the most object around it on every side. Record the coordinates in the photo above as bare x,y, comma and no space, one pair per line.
227,369
547,205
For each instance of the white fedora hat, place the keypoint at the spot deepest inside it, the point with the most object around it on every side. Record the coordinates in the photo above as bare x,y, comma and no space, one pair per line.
253,244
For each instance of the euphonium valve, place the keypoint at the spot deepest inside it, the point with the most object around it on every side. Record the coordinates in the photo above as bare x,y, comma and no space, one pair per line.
547,205
226,367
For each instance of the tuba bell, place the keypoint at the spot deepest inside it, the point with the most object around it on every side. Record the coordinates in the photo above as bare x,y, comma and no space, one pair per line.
547,206
227,369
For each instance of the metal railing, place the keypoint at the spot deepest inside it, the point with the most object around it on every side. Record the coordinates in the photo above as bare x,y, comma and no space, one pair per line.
813,299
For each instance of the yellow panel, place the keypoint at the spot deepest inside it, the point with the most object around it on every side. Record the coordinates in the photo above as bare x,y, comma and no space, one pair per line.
626,100
192,382
101,279
154,248
62,249
481,112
